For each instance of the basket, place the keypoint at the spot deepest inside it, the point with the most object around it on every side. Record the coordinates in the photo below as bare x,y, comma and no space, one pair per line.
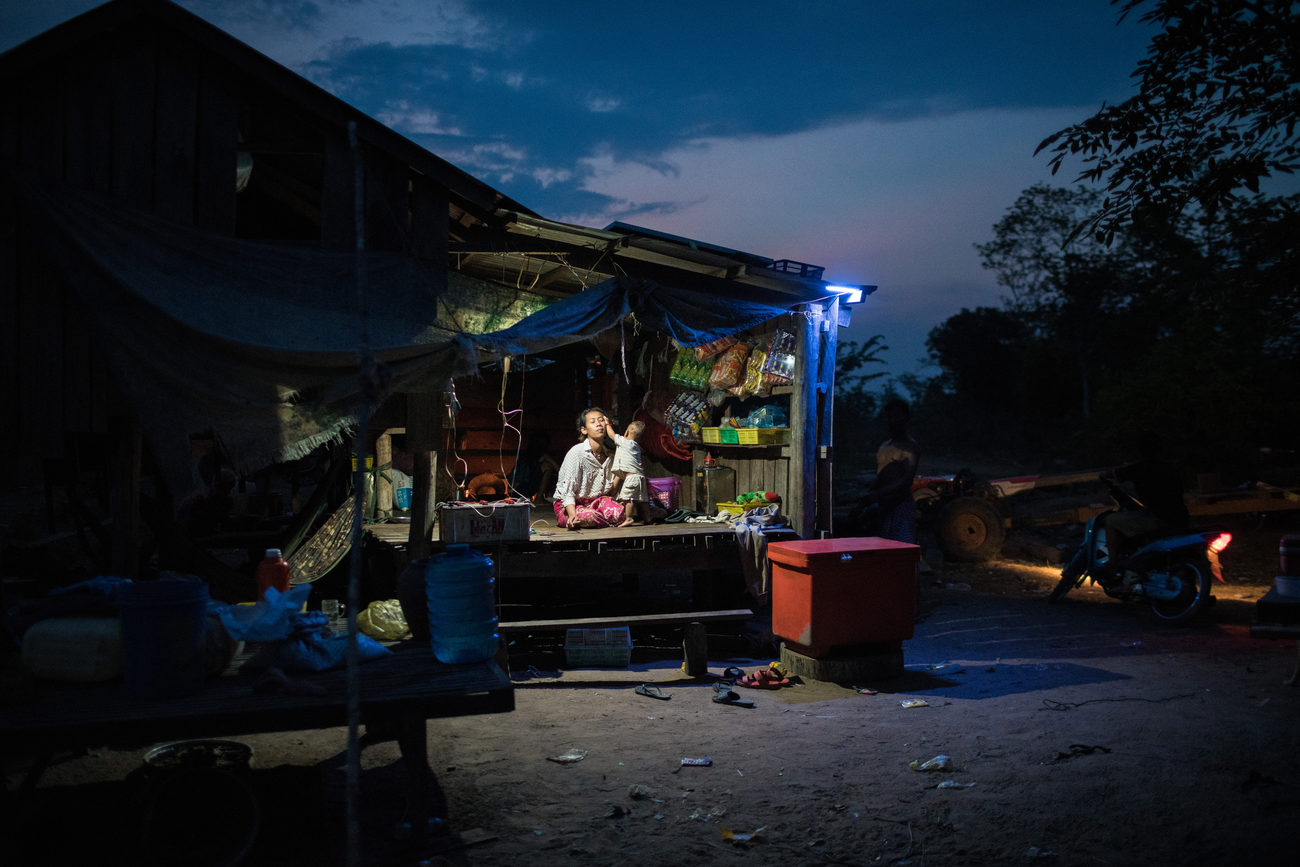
598,647
665,491
711,435
763,436
730,436
737,508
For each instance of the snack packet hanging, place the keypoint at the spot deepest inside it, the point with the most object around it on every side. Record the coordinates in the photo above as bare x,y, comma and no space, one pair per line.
713,347
729,369
753,380
780,358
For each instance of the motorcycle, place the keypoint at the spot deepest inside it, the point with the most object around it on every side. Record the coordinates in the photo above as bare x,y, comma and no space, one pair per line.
1172,572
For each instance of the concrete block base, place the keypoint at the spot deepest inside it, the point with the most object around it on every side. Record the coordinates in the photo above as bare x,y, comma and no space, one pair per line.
849,666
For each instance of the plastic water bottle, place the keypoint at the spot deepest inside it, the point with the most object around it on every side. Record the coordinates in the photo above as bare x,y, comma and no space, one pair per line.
462,606
273,571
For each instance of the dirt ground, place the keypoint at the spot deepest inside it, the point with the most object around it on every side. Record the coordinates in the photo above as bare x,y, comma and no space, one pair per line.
1079,733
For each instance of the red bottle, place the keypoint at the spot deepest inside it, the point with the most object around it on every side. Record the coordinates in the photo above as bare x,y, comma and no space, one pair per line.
273,571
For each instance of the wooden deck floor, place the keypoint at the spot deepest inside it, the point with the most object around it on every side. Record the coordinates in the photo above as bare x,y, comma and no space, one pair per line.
543,530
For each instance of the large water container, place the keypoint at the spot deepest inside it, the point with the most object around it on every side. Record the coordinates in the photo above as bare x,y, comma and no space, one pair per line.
462,605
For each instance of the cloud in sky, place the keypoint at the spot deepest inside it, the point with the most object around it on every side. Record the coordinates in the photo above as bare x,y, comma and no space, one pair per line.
881,140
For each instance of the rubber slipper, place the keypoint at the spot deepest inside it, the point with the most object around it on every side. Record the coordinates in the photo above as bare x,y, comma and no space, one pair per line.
652,692
733,673
730,697
753,681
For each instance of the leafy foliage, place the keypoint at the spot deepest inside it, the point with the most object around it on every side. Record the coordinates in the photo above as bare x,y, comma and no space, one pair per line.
1215,113
1187,326
857,365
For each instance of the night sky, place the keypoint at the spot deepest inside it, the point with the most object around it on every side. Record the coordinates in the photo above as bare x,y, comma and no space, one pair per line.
881,140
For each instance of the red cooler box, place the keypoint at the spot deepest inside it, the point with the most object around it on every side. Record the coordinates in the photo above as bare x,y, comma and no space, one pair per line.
830,593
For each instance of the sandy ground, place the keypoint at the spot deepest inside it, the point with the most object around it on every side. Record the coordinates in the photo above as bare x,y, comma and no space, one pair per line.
1080,733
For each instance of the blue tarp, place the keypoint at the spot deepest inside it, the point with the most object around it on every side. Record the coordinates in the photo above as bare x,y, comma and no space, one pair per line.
259,342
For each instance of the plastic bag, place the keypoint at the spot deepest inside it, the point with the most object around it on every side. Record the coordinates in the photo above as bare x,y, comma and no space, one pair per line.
314,647
270,619
383,619
713,347
770,415
730,367
780,358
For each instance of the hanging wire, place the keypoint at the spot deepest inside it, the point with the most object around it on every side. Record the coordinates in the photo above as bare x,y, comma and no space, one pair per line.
452,404
506,425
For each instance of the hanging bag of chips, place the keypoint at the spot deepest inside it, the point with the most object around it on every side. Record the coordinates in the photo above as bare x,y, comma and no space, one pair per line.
753,380
713,347
729,369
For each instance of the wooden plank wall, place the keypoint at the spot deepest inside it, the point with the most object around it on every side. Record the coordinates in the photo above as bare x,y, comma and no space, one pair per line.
152,119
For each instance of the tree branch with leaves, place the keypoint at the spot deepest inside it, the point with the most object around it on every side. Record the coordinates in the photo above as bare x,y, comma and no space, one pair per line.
1215,113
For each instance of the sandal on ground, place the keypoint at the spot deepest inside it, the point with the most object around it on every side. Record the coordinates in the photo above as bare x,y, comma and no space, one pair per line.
652,692
762,679
730,697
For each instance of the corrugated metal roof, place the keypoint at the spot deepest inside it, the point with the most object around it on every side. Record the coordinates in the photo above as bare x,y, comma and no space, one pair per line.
535,253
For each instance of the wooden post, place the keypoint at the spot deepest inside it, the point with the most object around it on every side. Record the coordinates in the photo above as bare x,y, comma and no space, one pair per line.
695,646
802,500
423,432
383,467
826,416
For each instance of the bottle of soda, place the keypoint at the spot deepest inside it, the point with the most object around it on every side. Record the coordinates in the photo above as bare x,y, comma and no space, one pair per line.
273,571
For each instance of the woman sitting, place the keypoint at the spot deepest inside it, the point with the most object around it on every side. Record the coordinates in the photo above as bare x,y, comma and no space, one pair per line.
585,475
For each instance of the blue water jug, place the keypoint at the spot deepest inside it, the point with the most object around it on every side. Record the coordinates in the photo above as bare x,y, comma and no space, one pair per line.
462,605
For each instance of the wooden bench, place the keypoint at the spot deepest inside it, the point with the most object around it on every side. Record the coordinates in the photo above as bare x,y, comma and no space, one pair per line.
694,642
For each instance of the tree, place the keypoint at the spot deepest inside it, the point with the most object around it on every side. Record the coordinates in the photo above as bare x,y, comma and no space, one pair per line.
1066,287
981,352
855,407
1215,113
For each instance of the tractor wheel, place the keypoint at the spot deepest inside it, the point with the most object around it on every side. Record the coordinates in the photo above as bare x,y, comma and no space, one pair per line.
971,530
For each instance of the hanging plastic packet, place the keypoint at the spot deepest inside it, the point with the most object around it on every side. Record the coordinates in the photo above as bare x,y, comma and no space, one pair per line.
780,357
729,368
713,347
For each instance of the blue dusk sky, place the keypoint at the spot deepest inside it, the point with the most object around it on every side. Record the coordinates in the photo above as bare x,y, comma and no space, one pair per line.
881,140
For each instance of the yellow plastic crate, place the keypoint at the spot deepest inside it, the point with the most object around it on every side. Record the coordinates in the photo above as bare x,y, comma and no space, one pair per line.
762,436
711,434
737,508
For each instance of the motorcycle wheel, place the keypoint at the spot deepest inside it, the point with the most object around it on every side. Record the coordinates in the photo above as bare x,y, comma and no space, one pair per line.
1070,576
971,530
1194,594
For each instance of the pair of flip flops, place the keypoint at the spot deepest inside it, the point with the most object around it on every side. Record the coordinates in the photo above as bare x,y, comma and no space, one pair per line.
724,694
772,677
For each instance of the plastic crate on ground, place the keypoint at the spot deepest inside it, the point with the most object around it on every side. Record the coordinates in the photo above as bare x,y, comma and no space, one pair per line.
610,647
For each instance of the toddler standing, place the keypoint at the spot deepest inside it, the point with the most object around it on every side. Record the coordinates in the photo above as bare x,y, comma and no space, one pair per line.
630,486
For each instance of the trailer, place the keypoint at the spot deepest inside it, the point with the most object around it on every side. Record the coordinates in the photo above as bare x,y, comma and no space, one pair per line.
970,517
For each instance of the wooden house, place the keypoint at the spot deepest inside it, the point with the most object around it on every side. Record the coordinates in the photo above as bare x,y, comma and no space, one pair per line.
199,244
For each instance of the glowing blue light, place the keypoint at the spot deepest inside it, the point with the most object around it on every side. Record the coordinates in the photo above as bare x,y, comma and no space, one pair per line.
852,294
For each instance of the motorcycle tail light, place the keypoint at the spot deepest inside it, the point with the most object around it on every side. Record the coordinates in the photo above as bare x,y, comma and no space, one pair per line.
1219,542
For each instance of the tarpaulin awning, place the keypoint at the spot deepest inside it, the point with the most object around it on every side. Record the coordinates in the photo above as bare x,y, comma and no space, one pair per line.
261,343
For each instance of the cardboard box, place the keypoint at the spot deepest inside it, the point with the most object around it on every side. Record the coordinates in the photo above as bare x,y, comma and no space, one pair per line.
475,523
829,593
